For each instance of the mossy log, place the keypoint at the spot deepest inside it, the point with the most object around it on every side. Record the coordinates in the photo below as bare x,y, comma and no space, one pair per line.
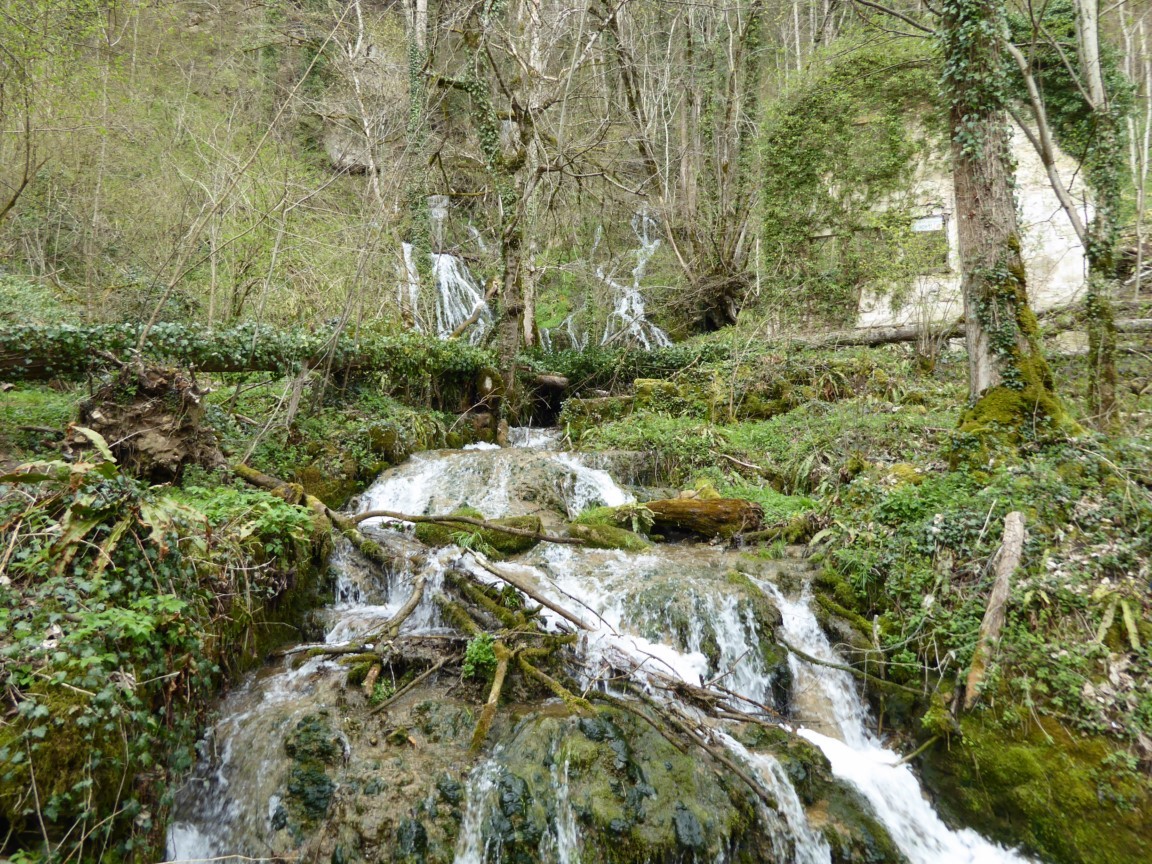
326,518
498,540
456,522
715,517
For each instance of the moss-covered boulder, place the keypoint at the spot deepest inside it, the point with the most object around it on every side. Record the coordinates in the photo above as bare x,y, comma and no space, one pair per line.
487,539
1062,797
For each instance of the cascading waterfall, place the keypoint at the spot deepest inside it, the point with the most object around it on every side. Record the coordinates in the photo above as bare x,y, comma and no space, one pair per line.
472,847
459,298
859,758
232,804
628,321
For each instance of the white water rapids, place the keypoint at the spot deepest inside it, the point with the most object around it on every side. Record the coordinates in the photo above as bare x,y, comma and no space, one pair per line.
232,802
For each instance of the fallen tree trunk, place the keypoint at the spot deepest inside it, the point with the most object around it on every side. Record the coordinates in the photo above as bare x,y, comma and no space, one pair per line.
706,517
1134,325
878,336
39,353
1011,548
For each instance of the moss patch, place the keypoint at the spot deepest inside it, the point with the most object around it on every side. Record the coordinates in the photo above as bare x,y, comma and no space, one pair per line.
1051,792
498,542
609,537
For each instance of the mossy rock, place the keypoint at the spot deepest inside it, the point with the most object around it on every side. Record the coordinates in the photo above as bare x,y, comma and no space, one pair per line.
447,533
1055,794
76,763
905,474
653,390
314,748
634,796
334,488
609,537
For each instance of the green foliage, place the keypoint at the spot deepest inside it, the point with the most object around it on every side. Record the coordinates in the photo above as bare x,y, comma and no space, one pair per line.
118,608
104,615
333,450
66,350
26,411
607,368
24,301
479,656
917,554
382,691
243,513
834,149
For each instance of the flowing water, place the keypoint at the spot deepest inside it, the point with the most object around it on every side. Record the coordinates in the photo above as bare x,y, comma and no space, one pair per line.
671,612
459,299
628,322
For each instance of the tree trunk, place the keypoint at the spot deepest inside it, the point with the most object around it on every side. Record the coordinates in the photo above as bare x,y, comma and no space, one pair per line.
1009,381
1104,160
708,517
996,612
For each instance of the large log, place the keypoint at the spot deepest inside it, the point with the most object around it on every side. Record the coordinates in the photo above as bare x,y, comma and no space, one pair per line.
707,517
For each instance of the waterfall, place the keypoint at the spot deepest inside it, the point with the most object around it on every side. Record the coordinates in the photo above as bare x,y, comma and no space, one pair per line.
859,758
408,287
471,846
808,846
567,837
459,298
437,216
628,321
634,606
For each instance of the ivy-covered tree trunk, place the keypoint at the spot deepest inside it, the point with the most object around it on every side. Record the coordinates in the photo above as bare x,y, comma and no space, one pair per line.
1009,381
505,169
1104,161
1102,376
418,231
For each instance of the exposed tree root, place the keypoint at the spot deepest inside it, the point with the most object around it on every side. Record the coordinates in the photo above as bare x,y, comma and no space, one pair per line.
524,588
386,632
569,698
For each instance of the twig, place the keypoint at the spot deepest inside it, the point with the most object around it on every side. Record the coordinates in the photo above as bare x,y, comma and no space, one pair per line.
851,670
523,587
419,679
923,747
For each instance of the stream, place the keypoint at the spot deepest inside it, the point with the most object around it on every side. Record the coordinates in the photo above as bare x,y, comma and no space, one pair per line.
666,613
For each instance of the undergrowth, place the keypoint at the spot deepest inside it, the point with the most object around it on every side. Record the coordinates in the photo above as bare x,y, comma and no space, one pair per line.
121,607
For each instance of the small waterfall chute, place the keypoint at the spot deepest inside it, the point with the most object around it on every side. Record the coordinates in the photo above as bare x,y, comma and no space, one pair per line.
860,759
628,321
